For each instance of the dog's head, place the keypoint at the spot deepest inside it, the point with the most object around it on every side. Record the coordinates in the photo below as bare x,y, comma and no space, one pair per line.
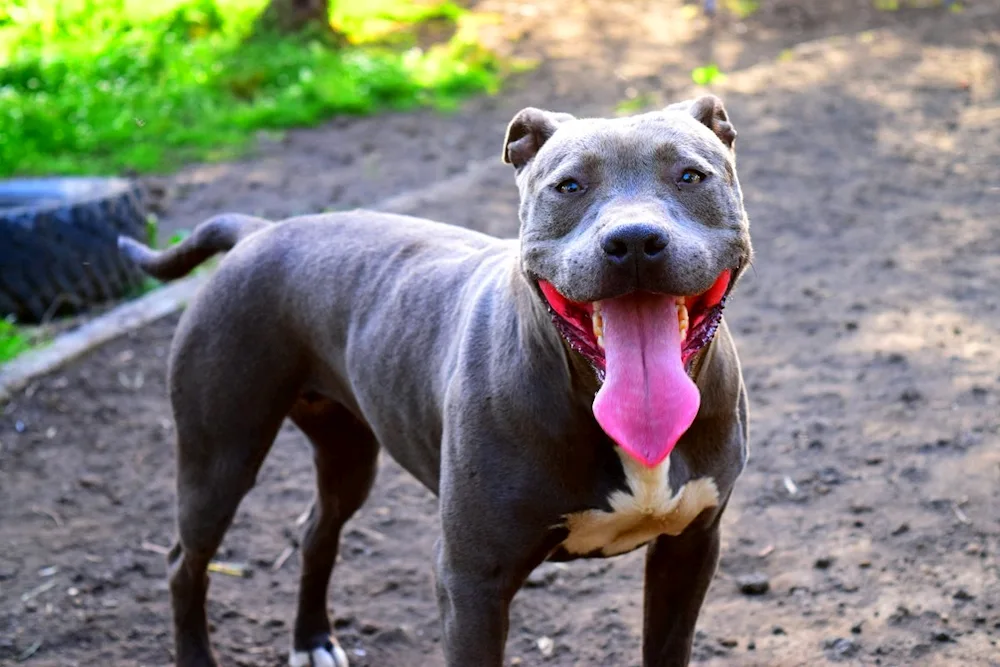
633,230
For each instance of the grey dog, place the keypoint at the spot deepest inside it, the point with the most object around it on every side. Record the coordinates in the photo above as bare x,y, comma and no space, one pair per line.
573,393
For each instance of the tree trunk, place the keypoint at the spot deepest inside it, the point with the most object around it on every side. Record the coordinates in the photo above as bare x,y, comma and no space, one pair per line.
290,16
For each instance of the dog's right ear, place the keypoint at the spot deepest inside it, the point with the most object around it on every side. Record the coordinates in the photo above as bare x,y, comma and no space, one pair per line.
527,132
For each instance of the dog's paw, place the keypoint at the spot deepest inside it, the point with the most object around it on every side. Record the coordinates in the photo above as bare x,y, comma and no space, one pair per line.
330,655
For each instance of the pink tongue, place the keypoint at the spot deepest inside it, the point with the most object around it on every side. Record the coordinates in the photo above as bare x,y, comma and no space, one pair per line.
647,401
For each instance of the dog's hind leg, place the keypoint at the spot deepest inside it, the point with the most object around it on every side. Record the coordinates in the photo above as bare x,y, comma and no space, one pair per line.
345,455
215,470
227,417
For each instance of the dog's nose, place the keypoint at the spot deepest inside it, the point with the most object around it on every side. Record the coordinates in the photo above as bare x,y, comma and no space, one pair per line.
634,242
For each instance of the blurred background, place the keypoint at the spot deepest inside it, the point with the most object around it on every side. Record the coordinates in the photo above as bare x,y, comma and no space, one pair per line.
866,529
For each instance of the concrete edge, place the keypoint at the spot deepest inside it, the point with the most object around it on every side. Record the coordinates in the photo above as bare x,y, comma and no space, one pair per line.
16,374
166,300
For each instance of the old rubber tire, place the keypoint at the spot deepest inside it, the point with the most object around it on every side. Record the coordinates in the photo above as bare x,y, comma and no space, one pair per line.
58,244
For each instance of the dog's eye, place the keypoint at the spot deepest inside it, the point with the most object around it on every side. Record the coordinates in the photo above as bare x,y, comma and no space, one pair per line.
691,177
570,186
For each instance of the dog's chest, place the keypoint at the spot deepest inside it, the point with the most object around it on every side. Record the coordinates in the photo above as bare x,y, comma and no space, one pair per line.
648,509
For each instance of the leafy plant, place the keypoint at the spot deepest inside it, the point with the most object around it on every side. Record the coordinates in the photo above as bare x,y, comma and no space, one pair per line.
742,8
13,341
707,75
102,86
634,104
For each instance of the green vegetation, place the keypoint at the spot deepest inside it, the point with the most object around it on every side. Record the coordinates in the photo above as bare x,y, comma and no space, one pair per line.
742,8
102,86
13,341
635,104
896,5
707,75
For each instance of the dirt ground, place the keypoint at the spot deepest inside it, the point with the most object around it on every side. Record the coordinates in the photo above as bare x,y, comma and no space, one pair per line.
869,331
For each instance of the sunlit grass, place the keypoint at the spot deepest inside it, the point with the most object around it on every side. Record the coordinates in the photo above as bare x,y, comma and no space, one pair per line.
13,341
99,86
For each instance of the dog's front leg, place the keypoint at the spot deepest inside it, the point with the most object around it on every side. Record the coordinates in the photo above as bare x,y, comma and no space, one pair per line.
476,582
490,542
678,572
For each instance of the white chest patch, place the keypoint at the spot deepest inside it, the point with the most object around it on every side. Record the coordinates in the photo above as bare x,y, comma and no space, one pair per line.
649,509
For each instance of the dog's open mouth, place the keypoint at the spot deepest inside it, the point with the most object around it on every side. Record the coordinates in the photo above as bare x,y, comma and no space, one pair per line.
582,324
642,346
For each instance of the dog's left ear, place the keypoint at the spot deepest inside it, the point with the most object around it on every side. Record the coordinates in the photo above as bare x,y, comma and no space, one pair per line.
527,132
709,111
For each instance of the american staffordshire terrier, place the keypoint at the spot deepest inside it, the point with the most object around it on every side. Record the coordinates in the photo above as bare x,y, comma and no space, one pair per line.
574,393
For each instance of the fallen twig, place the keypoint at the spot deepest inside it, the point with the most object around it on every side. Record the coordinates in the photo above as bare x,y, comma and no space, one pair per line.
49,513
285,554
38,590
304,516
959,514
240,570
154,548
30,651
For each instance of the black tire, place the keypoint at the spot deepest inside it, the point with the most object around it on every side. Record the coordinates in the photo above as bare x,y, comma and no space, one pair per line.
59,244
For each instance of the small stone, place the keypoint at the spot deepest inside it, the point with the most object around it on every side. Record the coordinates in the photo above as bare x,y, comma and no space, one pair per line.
823,562
729,642
778,630
900,529
542,576
963,595
397,635
856,628
751,645
754,583
943,636
840,647
545,646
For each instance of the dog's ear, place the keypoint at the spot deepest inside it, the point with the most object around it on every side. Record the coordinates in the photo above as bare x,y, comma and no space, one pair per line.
709,111
527,132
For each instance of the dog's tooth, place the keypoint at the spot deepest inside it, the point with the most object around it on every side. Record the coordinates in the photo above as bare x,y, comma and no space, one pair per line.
600,341
597,320
682,319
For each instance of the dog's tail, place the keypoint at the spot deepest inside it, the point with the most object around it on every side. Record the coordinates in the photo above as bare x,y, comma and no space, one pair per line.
215,235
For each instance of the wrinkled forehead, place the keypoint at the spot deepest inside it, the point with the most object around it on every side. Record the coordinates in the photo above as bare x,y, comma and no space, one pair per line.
638,140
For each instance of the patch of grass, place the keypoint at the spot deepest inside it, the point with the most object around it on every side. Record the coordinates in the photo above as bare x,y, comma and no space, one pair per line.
896,5
104,86
635,104
13,341
742,8
707,75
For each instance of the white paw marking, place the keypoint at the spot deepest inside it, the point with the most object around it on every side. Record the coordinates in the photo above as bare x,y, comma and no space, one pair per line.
319,657
649,509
